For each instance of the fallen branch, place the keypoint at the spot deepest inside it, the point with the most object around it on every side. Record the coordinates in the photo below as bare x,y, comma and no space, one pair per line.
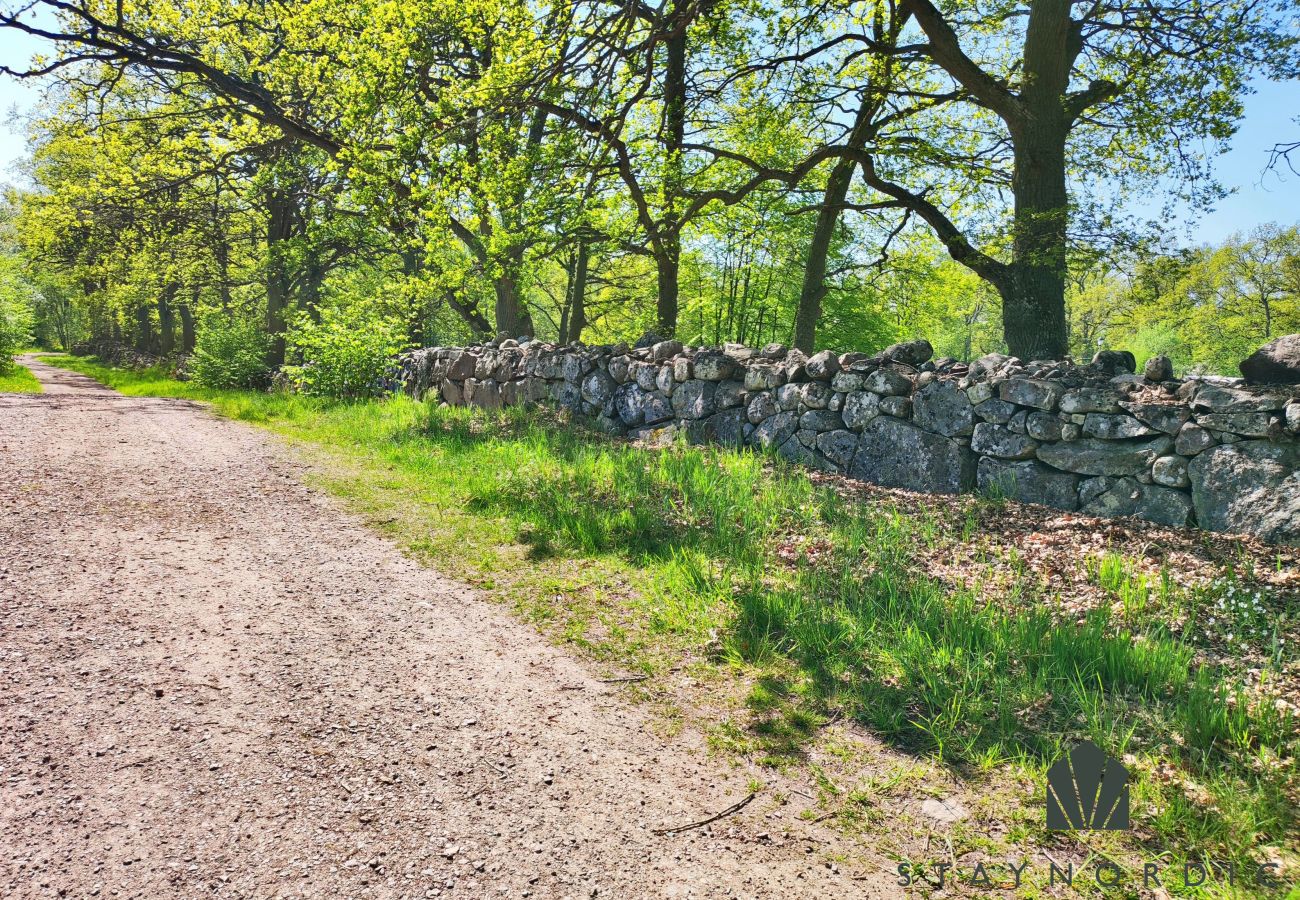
624,679
711,819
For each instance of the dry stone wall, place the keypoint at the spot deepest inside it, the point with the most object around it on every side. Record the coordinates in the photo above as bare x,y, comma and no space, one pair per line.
1098,439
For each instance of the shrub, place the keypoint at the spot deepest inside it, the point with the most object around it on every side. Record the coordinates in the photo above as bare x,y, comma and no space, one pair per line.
230,352
15,330
347,355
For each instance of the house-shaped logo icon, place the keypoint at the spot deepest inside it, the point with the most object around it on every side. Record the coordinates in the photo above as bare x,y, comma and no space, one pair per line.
1087,790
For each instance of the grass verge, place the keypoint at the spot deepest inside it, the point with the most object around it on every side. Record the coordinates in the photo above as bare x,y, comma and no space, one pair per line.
786,604
16,379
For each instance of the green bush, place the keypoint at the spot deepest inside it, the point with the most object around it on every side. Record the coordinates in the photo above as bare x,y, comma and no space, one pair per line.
15,330
348,354
230,352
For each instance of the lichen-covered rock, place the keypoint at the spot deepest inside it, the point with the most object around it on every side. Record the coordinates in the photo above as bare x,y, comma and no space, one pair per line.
1221,399
1192,439
665,350
714,366
1158,368
838,446
682,369
726,428
1114,362
1036,392
989,364
1246,424
896,406
1171,471
1277,362
774,352
761,406
645,374
694,399
847,381
998,412
618,367
889,383
1166,417
800,453
1091,456
818,420
1292,417
895,453
1114,426
775,430
1044,426
1129,497
943,408
1002,442
664,381
1249,486
1028,482
729,394
598,387
658,408
815,394
629,403
909,353
1090,400
762,377
822,366
860,407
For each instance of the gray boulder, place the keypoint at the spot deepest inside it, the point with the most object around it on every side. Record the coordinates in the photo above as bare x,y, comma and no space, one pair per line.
1114,362
762,377
909,353
895,453
822,366
694,399
1192,439
729,394
838,446
815,394
1222,399
1166,417
761,406
665,350
726,428
999,412
629,403
1114,427
1129,497
1249,486
1277,362
860,407
1096,457
657,408
942,408
999,441
775,430
1171,471
1246,424
714,366
1028,482
896,406
818,420
1044,426
1035,392
889,383
598,387
1090,400
1158,368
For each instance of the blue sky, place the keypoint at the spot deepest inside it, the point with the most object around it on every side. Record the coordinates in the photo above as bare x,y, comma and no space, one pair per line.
1259,196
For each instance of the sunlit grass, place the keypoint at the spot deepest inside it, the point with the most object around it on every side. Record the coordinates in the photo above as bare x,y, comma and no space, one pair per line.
16,379
642,558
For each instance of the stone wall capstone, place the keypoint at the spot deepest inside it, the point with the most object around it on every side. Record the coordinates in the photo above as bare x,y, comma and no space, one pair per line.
1096,438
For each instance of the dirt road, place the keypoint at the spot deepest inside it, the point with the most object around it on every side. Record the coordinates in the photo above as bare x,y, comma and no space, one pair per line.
214,682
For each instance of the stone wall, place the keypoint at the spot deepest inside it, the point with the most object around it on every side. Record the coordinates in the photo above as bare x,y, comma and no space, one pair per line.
1099,439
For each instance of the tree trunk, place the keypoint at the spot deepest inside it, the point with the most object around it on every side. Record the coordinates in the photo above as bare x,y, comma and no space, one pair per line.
187,322
166,321
280,216
669,244
1033,292
809,311
577,307
511,315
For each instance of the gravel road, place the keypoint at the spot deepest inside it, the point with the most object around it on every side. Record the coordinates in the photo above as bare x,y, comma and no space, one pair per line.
214,682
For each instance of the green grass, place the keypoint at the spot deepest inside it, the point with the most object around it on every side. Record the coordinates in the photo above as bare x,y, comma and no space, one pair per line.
748,571
16,379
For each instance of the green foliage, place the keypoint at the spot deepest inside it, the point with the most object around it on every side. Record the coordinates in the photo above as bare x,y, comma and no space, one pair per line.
15,325
348,354
230,352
